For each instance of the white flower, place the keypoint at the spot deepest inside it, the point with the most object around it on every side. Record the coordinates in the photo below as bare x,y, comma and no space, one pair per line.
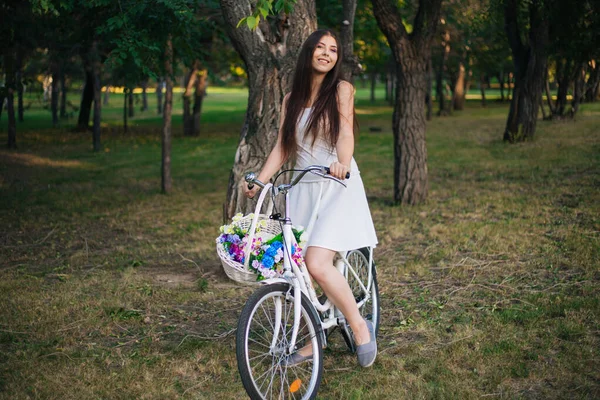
303,238
237,217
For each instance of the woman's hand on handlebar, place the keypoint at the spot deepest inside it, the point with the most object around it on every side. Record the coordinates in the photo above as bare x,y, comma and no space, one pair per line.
338,170
250,193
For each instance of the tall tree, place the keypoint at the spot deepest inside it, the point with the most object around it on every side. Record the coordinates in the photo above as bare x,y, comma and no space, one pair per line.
528,28
412,52
269,55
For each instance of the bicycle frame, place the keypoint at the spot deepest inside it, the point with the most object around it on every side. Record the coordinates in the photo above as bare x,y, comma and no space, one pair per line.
299,278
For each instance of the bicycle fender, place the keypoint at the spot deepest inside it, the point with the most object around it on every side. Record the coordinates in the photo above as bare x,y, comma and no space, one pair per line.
272,281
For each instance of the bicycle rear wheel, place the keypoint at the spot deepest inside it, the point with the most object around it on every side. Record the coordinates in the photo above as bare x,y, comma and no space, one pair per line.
264,372
359,260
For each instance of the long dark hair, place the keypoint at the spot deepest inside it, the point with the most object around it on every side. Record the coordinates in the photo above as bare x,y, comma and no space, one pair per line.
325,113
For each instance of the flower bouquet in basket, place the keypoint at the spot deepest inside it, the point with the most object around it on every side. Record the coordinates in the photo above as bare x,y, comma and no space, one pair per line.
266,249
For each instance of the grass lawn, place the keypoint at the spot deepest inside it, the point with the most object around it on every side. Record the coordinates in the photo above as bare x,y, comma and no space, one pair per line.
111,290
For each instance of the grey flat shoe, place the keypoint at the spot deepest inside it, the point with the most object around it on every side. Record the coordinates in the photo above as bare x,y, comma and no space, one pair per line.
295,359
367,352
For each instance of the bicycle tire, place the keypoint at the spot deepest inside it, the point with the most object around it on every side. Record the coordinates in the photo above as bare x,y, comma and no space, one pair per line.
253,339
359,259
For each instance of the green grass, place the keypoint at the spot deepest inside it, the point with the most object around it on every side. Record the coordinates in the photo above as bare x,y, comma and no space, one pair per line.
109,289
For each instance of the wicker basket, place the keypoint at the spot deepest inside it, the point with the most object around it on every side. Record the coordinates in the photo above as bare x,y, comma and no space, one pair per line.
235,270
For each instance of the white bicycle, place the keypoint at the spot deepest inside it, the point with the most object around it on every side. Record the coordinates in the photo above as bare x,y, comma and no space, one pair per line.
285,315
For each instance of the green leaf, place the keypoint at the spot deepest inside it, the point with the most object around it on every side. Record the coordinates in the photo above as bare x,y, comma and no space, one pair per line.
264,12
252,22
279,5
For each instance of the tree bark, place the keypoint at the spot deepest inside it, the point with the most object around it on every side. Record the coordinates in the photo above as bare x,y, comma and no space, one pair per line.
125,97
530,66
412,53
159,96
87,97
63,94
166,180
350,66
501,82
548,94
19,84
144,95
578,88
131,99
373,76
270,55
458,99
9,69
482,83
96,71
106,95
190,82
12,123
439,82
428,97
593,83
563,78
199,94
55,93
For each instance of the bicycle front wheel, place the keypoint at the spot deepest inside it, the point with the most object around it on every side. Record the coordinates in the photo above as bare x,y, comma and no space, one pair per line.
265,369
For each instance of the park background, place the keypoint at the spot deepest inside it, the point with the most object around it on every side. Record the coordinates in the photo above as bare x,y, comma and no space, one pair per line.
111,288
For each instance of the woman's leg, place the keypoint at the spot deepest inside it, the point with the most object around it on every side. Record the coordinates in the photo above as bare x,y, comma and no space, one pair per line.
319,262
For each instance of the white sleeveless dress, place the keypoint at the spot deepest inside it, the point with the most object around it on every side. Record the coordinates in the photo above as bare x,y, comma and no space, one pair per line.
335,217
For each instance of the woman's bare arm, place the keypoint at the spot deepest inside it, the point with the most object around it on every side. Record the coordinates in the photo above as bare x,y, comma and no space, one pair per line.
275,159
345,143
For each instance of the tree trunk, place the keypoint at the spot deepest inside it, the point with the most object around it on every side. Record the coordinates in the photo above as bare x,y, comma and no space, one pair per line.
501,82
166,180
87,97
3,94
190,82
350,66
428,97
578,88
563,79
482,83
19,84
55,93
373,76
549,95
530,66
10,84
63,94
144,95
412,53
96,71
130,99
270,55
12,123
125,97
106,95
439,82
199,94
159,96
593,83
458,99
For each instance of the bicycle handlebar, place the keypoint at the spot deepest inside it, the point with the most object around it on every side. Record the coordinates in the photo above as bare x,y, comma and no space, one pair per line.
315,169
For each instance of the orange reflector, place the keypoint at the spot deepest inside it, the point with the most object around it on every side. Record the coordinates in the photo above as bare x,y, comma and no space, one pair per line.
295,386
